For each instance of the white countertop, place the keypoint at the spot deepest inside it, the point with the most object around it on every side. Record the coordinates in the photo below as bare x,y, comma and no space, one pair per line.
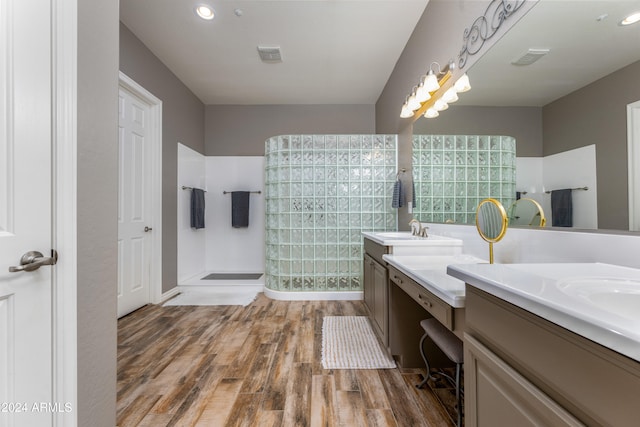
582,298
405,238
404,243
431,273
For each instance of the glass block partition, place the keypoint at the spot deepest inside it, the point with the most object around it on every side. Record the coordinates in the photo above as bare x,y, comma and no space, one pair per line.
453,173
321,192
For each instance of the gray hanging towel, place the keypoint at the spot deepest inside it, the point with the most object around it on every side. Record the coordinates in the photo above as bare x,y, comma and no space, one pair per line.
561,208
413,193
240,209
197,208
399,198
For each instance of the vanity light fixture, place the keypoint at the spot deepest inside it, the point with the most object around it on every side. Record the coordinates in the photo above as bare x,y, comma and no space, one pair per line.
422,93
430,82
440,105
205,12
631,19
462,84
450,96
431,113
413,102
427,98
406,112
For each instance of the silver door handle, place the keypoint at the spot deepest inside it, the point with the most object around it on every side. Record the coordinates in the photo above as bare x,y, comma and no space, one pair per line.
147,229
33,260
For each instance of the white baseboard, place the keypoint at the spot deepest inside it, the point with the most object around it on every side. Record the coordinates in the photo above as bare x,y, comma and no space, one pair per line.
169,294
221,287
277,295
313,296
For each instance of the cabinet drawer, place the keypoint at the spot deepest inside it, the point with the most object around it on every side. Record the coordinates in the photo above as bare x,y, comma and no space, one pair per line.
434,305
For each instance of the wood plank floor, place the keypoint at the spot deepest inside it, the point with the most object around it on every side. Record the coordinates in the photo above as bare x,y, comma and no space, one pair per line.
258,365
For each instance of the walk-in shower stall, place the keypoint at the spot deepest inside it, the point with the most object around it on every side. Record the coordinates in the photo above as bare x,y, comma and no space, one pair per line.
321,192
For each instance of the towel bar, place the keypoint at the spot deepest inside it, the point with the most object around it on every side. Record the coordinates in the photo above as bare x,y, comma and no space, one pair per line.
253,192
190,188
578,188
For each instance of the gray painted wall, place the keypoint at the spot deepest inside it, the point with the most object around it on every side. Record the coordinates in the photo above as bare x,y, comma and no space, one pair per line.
597,114
97,212
182,121
241,130
523,123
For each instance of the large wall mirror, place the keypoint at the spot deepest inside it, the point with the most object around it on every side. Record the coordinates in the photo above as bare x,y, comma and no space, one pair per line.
573,97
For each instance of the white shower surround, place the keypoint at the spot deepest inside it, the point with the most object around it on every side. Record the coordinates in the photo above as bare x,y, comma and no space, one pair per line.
219,247
228,249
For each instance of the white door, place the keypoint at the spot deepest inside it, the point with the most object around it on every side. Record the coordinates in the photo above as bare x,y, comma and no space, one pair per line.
134,227
25,212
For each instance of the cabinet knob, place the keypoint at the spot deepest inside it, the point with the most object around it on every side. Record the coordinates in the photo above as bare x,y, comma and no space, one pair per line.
425,301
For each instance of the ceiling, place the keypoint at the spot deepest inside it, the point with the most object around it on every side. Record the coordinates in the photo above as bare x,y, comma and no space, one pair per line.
582,48
343,51
333,51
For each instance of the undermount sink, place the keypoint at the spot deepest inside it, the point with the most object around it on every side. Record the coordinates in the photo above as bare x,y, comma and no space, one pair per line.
620,296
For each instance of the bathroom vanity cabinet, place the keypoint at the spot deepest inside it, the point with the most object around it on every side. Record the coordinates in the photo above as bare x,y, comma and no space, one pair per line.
376,289
521,369
410,302
396,303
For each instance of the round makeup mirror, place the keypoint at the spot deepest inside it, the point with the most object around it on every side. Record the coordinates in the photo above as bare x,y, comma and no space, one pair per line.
526,212
491,222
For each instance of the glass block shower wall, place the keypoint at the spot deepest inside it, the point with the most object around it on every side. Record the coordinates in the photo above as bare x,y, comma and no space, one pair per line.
453,173
321,192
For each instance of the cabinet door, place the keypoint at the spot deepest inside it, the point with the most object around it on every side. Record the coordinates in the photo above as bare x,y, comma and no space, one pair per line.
497,395
367,283
381,300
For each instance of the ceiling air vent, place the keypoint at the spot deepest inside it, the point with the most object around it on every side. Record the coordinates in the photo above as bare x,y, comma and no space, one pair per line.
530,56
270,54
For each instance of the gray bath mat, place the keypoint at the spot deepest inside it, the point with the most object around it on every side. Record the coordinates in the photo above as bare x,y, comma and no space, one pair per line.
233,276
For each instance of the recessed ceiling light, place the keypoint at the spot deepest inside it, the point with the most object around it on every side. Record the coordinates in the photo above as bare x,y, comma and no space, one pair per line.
631,19
205,12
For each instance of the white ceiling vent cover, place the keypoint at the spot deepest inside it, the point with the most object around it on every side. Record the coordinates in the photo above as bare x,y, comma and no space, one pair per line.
530,56
270,54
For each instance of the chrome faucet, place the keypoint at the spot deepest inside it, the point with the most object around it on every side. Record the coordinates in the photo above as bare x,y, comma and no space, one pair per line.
417,229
